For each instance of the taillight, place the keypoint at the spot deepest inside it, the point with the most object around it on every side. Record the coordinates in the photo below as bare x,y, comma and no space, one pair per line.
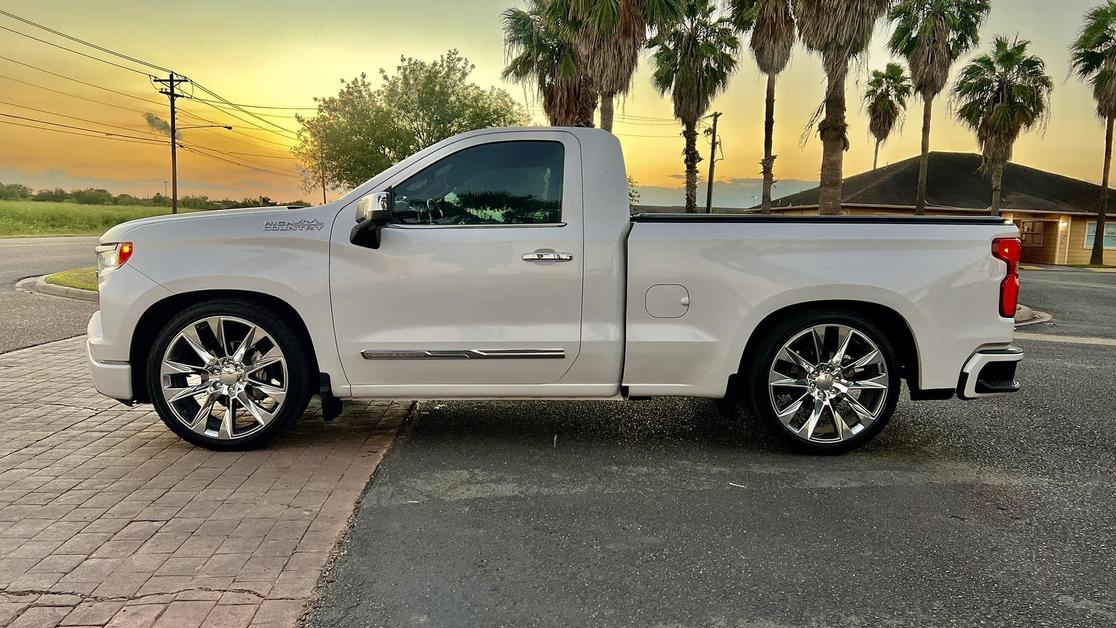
1008,250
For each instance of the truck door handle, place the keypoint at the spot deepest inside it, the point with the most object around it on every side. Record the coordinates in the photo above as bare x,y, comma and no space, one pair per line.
547,255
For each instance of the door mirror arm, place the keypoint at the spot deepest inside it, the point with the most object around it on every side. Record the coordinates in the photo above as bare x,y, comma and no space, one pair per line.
374,212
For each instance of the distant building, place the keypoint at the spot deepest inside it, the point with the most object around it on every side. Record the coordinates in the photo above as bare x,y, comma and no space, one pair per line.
1056,215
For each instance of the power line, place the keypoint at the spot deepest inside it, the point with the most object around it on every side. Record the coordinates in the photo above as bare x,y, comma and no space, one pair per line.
263,106
56,91
240,109
243,165
260,139
79,128
86,43
96,137
63,115
70,78
77,52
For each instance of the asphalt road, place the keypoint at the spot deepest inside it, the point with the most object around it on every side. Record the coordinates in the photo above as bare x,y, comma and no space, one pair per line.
31,319
661,513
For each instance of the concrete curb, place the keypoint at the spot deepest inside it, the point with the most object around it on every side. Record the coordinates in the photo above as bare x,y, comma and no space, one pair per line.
39,285
1026,317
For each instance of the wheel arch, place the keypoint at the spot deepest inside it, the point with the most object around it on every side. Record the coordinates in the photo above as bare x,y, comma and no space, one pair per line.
891,322
157,315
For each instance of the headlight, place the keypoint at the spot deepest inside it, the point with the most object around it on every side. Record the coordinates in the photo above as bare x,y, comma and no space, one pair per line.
115,255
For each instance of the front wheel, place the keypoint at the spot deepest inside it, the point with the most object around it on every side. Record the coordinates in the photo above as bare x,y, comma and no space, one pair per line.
825,382
228,374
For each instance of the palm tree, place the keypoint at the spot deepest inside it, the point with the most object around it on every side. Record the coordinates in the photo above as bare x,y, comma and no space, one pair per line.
932,35
1094,60
608,36
999,95
542,55
693,61
886,100
838,30
773,38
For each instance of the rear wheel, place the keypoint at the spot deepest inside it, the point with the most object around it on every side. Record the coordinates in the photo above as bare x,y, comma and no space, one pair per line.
825,382
227,374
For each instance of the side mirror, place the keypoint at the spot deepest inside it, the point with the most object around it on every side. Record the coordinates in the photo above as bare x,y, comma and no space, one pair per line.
373,212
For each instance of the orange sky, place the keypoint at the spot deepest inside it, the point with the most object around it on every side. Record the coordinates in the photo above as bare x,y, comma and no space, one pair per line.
284,53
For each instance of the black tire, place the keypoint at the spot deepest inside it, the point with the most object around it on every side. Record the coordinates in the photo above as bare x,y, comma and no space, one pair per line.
770,346
286,336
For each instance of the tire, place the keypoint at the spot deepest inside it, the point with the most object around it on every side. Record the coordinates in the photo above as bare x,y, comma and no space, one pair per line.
198,365
861,392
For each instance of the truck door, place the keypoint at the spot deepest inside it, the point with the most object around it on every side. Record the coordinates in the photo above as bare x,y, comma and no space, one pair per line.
478,280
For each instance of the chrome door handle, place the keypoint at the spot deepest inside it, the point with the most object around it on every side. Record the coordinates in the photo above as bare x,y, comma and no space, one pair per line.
547,255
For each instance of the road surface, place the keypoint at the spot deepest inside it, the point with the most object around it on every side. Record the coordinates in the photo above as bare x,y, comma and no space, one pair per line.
31,319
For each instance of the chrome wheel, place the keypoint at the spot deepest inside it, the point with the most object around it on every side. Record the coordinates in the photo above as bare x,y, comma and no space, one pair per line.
828,384
224,377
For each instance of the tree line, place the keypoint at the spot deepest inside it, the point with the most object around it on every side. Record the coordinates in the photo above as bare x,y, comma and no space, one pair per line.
580,55
101,196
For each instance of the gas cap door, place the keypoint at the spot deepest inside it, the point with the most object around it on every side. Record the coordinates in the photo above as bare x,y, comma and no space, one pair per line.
667,301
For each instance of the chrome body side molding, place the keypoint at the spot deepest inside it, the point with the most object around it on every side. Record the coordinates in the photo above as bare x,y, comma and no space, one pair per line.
467,354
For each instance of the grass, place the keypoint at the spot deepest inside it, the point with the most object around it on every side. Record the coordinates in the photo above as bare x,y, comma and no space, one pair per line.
80,278
38,218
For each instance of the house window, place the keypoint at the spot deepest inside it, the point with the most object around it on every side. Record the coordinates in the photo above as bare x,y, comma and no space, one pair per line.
1109,235
1031,232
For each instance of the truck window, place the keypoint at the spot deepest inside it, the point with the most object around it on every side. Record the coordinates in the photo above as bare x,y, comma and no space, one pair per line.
503,183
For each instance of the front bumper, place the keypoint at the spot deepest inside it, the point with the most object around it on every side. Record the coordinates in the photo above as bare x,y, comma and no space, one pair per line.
990,372
110,378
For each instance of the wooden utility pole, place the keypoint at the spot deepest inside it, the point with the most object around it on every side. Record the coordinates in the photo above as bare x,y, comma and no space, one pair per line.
171,92
712,163
321,170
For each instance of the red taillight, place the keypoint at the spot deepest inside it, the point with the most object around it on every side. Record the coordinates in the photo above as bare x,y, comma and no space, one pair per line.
1008,250
124,253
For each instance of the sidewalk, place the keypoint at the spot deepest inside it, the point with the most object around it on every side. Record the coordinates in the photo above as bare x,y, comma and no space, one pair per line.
107,518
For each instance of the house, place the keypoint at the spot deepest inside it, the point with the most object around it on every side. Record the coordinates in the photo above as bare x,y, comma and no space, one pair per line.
1056,215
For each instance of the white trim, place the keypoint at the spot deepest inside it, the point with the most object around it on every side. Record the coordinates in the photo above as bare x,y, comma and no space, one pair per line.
1085,238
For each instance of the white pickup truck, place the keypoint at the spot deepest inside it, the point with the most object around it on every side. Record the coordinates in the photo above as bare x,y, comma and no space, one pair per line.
504,263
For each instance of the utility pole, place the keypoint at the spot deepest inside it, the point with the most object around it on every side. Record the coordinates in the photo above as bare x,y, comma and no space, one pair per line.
321,170
712,163
171,92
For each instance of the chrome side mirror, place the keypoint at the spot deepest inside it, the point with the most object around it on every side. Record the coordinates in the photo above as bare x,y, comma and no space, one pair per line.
375,207
373,212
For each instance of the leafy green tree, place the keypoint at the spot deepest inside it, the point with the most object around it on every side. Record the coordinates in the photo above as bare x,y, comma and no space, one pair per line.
773,38
999,95
1094,60
609,35
838,30
362,131
886,100
14,192
932,35
693,62
542,55
56,195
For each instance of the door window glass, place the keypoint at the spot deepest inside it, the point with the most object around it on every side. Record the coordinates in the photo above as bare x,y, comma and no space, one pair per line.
516,183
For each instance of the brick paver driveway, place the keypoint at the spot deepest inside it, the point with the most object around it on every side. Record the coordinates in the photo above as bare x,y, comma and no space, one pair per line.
107,518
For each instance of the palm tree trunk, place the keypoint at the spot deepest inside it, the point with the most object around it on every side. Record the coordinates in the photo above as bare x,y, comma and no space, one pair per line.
691,159
876,159
1097,256
768,146
997,186
607,112
833,130
924,162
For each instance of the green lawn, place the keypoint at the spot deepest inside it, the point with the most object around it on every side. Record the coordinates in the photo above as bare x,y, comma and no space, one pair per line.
81,278
31,218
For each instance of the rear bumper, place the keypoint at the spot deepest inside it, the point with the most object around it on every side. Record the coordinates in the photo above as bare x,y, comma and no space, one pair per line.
989,373
110,378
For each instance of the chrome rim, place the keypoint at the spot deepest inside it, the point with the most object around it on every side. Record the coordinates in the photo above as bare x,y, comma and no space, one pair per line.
828,383
224,377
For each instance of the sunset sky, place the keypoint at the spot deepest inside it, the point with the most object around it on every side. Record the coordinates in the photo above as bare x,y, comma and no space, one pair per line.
282,53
